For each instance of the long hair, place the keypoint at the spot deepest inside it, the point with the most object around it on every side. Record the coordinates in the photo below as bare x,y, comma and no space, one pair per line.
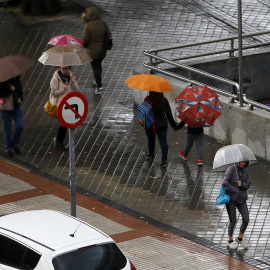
158,102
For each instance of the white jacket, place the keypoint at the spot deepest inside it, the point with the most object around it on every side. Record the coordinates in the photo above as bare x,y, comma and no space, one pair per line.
58,90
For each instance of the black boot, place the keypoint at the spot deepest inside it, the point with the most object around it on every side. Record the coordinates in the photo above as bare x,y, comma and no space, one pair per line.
149,155
56,144
60,146
164,163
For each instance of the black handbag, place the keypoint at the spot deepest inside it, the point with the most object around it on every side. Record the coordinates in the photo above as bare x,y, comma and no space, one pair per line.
107,41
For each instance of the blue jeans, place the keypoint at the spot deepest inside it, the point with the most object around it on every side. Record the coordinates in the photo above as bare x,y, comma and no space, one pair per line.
7,116
162,137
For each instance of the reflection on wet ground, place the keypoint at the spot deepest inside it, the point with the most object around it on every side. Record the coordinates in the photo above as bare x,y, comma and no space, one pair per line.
110,145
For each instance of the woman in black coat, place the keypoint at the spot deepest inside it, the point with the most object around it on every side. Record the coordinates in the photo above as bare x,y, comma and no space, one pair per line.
162,114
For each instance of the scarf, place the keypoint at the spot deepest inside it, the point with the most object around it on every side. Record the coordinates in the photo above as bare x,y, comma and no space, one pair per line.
64,78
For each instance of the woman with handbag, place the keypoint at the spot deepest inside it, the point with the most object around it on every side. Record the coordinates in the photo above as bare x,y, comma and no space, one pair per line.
236,183
12,95
94,32
63,81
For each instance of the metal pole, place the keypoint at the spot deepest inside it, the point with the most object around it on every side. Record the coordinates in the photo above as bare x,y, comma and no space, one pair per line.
72,172
240,54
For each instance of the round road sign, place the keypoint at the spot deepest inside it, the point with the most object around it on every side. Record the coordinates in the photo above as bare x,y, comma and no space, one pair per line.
72,109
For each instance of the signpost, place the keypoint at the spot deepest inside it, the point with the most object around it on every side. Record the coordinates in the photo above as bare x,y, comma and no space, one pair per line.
71,112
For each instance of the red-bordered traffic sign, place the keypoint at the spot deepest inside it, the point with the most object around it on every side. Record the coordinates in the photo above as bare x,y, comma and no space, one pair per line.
72,109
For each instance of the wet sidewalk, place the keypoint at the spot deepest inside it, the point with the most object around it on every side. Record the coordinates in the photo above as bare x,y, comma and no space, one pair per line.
110,145
147,246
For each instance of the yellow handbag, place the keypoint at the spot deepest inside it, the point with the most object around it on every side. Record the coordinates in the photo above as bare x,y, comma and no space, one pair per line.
50,109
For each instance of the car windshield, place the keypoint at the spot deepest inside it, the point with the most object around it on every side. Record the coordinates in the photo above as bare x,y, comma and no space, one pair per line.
97,257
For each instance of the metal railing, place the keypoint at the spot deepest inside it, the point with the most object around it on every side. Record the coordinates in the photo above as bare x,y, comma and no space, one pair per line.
230,51
156,60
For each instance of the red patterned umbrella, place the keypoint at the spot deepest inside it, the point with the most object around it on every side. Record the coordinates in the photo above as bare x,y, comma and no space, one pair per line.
198,106
65,40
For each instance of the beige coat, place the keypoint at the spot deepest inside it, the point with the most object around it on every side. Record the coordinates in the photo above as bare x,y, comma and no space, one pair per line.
93,33
58,90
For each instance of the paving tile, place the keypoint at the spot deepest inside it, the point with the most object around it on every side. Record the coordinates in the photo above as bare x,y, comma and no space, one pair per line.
57,204
12,185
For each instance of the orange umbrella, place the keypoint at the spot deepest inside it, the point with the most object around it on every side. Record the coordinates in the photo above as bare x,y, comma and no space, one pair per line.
149,82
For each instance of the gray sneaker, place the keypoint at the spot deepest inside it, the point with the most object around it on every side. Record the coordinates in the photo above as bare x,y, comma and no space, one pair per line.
232,245
242,243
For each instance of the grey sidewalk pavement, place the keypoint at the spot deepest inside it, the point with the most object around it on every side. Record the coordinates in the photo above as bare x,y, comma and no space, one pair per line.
147,246
110,145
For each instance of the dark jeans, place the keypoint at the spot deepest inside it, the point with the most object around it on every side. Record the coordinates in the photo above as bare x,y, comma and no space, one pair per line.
97,71
7,116
243,210
162,137
198,139
61,134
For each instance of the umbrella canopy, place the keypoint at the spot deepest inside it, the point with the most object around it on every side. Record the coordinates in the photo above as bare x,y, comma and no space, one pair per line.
65,40
14,65
67,55
232,154
198,106
149,82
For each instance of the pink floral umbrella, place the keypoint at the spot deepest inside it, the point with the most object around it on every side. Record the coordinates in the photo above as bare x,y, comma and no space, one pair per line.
65,40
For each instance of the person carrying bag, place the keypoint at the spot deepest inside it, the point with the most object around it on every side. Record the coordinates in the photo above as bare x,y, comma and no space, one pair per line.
11,95
97,39
62,82
236,183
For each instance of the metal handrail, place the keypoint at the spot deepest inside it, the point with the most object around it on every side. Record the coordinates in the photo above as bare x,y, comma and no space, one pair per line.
209,75
152,54
252,104
208,41
173,75
213,52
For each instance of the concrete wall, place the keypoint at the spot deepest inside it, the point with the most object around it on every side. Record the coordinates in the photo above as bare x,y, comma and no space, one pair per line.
241,125
235,125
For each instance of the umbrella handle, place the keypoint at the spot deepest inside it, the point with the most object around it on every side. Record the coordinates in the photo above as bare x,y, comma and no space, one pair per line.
236,172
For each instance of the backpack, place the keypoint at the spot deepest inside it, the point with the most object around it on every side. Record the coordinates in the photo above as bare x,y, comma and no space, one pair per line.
107,40
145,115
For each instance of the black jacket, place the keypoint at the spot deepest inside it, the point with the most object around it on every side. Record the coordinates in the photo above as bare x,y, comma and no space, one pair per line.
162,120
197,130
18,93
5,90
237,194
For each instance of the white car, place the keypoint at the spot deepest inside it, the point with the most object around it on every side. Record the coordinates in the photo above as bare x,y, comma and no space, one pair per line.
50,240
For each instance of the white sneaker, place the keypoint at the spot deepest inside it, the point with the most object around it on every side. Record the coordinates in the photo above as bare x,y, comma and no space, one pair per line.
243,243
232,245
97,92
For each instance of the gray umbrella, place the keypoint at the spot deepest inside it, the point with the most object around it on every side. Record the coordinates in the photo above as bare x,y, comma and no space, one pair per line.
65,55
13,65
232,154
